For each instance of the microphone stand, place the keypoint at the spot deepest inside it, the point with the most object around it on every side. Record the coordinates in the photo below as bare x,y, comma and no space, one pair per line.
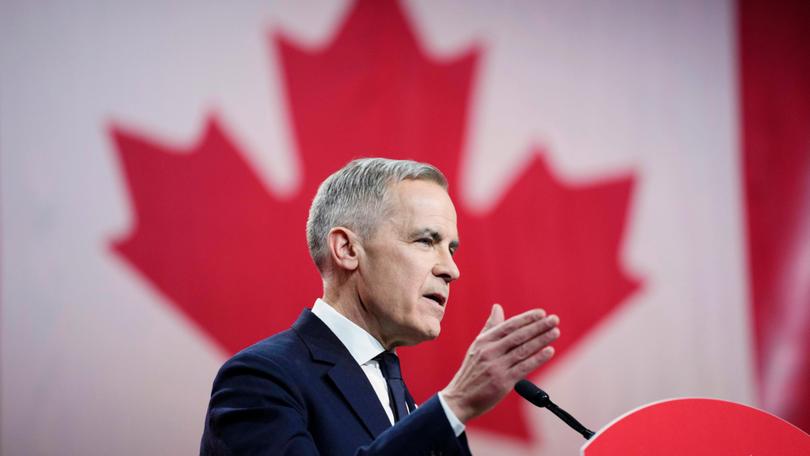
538,397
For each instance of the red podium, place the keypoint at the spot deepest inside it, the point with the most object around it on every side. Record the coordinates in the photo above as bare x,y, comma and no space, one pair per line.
698,427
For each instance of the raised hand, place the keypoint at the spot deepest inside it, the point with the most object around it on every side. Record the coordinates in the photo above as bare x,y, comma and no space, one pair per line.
503,353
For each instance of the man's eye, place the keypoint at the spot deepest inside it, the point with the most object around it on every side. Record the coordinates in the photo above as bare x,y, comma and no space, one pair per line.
426,241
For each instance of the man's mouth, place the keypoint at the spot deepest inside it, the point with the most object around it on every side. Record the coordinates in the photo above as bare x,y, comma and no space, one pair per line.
437,298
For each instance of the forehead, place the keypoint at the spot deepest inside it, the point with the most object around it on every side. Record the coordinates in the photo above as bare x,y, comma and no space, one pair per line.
419,203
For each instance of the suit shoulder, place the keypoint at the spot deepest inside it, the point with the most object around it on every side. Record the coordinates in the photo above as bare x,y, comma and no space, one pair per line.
276,351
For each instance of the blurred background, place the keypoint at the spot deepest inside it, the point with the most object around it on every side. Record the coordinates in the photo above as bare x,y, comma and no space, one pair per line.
640,168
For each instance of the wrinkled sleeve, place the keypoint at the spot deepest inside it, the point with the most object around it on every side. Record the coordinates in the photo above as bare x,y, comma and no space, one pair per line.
425,431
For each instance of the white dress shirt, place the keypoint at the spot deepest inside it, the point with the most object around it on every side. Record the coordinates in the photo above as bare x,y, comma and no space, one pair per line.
364,348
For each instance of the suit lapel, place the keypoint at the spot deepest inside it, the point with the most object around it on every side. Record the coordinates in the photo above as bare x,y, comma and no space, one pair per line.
347,377
357,391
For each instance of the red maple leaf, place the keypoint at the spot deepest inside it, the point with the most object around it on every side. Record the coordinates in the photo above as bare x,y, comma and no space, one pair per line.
232,257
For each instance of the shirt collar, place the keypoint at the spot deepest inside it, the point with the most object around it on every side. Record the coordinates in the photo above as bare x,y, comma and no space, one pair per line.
361,345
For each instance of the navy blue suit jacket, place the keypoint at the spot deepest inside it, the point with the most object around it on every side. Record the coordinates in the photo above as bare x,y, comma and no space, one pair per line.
301,393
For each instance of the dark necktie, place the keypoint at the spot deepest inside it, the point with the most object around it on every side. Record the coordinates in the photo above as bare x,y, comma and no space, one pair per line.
397,392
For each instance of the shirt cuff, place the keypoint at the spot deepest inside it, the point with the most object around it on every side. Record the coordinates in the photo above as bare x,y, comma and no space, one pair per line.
455,423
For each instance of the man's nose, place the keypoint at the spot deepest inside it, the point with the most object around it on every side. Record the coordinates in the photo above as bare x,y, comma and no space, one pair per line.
446,268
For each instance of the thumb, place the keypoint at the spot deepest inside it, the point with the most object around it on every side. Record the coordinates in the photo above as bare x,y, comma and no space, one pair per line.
495,317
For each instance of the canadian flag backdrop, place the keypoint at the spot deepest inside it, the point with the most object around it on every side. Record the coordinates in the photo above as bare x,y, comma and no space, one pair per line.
640,168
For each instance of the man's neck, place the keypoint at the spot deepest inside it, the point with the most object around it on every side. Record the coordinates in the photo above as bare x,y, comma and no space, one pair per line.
351,307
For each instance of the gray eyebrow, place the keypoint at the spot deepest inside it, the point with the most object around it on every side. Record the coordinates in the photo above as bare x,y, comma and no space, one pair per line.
433,234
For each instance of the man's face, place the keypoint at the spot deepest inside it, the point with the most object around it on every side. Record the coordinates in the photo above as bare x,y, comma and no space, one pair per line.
407,266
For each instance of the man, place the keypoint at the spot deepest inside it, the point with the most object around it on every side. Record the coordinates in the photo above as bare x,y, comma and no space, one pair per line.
382,234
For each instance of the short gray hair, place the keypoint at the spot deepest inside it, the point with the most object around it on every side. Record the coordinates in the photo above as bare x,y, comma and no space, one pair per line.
356,197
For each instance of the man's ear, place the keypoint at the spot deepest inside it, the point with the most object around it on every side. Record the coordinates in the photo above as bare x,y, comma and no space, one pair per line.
343,248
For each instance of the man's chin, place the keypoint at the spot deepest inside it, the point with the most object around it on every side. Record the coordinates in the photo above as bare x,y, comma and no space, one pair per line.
431,333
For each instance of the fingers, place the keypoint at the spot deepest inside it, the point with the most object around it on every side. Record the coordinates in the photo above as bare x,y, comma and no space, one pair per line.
530,331
522,341
530,347
523,368
509,326
495,317
504,351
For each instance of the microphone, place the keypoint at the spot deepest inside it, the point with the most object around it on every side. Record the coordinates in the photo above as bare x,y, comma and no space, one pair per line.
538,397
